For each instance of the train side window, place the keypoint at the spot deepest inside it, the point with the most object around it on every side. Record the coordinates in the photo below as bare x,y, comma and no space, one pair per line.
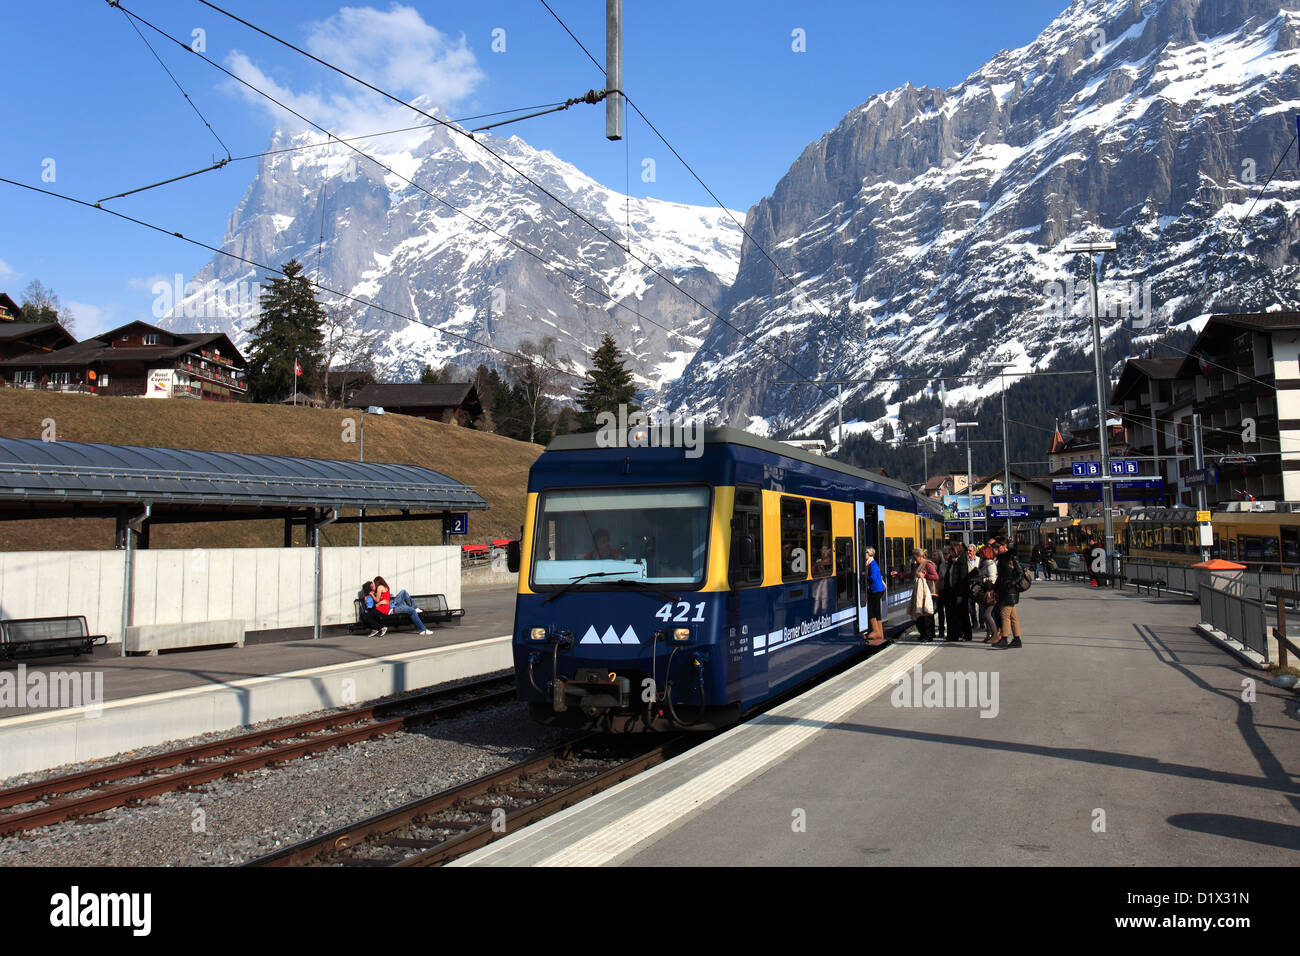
908,549
1178,539
747,538
843,572
896,555
823,558
794,539
1232,549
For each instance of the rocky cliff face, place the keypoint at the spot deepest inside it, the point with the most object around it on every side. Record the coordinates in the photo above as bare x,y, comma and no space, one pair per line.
395,245
925,231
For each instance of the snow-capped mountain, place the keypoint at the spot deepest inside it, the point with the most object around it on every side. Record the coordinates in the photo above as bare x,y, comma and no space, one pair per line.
392,243
925,231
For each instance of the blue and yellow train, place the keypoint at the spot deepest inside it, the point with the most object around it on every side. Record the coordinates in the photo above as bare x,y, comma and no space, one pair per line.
663,587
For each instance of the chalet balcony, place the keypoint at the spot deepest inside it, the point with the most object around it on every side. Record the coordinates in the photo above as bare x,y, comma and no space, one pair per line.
53,386
216,375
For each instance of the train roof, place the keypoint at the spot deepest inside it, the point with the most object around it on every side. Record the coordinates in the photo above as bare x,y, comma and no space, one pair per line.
585,441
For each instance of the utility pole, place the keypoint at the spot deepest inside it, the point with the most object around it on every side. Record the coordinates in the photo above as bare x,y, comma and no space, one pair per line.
614,69
1006,463
970,491
1099,249
1198,453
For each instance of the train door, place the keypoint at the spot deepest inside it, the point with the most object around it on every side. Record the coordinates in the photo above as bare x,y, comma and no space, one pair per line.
864,520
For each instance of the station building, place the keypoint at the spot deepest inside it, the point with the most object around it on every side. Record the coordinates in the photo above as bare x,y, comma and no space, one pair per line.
1242,375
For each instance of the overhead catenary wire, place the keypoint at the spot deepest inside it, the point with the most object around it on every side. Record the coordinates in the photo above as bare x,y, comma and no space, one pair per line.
329,140
280,272
505,237
193,105
504,161
689,168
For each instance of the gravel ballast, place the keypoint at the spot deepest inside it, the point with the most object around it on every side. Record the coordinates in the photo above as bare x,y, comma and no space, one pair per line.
236,819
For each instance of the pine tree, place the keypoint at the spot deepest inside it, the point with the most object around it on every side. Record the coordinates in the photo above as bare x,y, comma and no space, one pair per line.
291,326
608,386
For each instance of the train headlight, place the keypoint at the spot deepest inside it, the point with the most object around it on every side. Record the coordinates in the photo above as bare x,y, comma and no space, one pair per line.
537,633
680,635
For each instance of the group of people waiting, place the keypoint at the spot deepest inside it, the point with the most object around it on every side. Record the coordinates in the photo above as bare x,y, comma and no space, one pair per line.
378,601
963,586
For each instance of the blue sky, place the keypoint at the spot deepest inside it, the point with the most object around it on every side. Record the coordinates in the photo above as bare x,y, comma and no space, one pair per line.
87,103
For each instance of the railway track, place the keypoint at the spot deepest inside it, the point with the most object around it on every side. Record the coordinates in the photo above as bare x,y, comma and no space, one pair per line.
92,791
437,829
434,830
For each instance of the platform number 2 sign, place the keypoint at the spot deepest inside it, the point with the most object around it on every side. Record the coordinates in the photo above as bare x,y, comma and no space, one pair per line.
665,613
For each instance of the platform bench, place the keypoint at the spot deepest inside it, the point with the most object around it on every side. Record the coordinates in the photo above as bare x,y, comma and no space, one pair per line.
435,611
1148,583
42,636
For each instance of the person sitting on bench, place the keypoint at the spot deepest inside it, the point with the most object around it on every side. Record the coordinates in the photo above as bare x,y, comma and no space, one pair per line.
370,611
400,604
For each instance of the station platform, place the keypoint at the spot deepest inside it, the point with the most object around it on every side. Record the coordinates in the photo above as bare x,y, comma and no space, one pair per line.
1117,736
143,701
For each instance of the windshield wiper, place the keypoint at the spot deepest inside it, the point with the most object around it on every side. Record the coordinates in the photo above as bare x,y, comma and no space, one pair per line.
581,577
645,585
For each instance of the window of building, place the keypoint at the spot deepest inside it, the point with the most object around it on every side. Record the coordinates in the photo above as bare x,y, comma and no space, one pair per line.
61,378
794,539
27,377
151,338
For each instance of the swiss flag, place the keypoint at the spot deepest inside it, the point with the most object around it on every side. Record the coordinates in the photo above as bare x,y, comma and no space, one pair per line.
297,367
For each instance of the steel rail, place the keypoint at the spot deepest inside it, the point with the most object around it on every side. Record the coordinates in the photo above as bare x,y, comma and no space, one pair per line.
370,721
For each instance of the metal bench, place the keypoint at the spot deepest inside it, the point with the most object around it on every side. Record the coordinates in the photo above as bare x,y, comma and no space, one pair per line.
1148,583
434,611
437,610
44,636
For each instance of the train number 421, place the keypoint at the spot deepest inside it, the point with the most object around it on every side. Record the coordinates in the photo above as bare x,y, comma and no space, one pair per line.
665,613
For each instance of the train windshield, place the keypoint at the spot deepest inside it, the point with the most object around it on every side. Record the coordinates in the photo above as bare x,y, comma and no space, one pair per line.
656,535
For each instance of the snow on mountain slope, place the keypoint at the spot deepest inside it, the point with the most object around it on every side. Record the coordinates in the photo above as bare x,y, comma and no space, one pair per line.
924,231
394,244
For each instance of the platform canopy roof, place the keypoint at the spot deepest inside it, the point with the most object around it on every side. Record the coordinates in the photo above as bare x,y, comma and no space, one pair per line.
61,477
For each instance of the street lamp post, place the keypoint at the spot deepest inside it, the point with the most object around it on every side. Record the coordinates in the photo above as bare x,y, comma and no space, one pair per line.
970,491
372,410
1103,433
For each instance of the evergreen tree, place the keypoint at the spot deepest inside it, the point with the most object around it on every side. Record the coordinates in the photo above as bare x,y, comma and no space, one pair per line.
432,376
291,325
608,386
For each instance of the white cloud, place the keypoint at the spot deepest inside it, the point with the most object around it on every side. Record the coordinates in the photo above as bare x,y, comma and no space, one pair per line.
146,284
6,271
395,50
90,319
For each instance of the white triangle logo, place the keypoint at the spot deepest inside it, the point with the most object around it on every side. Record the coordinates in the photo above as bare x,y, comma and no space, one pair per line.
590,637
629,636
610,636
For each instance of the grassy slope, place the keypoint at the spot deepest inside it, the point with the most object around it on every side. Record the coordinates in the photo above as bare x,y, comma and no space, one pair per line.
495,467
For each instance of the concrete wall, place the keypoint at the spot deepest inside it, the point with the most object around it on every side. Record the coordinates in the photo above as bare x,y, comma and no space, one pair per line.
59,583
265,587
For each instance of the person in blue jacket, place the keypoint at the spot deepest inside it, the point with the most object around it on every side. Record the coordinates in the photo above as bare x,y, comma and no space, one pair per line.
875,584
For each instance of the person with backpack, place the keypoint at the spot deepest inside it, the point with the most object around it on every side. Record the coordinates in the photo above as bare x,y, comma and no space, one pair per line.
1010,574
